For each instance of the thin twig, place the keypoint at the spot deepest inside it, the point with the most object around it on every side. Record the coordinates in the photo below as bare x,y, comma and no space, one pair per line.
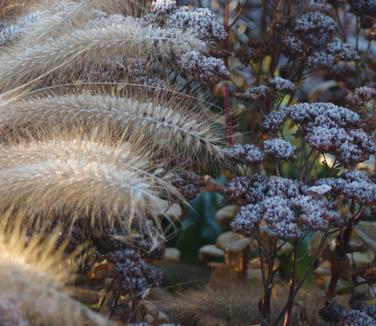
288,316
302,280
226,95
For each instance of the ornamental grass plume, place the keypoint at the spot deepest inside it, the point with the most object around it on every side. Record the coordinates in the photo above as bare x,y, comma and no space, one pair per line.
63,58
44,20
52,19
236,304
102,164
74,41
232,305
127,8
13,8
33,272
171,125
63,178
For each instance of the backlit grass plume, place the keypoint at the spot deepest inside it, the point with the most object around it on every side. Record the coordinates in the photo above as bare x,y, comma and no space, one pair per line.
60,17
165,124
62,59
235,304
13,8
32,273
70,177
96,140
129,7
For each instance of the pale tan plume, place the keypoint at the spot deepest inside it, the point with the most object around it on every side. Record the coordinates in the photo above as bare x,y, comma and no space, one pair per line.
70,177
177,128
64,16
61,59
33,272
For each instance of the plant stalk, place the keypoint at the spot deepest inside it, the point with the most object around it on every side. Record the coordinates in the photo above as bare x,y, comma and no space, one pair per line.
226,95
288,315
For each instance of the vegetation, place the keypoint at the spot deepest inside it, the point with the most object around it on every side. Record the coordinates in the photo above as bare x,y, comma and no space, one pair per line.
207,163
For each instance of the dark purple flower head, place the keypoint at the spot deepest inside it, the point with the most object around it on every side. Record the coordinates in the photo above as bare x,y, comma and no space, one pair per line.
283,208
247,153
328,128
279,149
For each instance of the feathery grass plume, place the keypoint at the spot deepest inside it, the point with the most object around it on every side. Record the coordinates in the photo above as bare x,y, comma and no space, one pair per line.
237,304
61,17
67,55
42,19
13,28
71,176
49,20
9,315
33,272
177,129
129,7
12,8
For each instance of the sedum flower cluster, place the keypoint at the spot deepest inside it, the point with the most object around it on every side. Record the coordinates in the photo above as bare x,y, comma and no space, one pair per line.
133,275
201,21
365,93
283,208
313,38
279,149
140,74
163,6
362,96
353,185
188,183
282,85
249,154
366,10
202,68
254,93
360,314
328,128
276,148
204,25
363,7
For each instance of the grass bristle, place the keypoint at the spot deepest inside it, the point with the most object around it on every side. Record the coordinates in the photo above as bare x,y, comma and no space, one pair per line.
62,59
32,273
174,128
72,176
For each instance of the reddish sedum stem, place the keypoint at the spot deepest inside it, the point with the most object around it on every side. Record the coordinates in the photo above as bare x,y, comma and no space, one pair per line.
288,315
226,96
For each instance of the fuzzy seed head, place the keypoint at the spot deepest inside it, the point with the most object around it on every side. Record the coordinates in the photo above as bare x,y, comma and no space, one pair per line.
61,180
32,273
170,126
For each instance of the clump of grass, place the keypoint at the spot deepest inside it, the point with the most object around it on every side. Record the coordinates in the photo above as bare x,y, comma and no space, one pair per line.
33,271
178,129
45,19
75,176
99,165
65,57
